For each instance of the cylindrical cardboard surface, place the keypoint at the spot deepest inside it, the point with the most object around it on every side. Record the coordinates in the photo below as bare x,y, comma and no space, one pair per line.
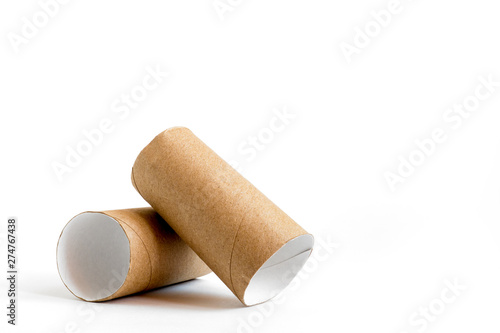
251,244
110,254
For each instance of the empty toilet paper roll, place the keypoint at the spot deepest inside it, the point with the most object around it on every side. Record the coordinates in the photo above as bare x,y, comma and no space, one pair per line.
110,254
251,244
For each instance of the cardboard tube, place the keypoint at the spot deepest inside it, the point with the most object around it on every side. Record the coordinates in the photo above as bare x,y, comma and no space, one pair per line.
110,254
251,244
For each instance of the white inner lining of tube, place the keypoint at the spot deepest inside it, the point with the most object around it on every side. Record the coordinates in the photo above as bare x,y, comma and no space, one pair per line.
279,270
93,256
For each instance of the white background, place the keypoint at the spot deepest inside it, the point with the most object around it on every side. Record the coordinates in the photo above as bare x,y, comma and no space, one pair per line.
396,249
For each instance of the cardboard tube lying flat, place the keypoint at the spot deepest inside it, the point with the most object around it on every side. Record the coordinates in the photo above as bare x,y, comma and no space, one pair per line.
252,245
110,254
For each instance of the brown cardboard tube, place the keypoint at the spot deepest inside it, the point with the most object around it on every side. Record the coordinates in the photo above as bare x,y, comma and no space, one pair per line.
251,244
110,254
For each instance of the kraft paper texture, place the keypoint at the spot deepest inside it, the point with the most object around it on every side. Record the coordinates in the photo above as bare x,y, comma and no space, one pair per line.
228,222
158,257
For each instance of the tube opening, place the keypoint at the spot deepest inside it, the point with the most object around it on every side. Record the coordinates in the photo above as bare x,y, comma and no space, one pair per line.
279,270
93,256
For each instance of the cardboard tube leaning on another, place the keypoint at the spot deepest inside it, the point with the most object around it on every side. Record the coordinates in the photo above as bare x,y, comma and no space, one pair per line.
110,254
251,244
